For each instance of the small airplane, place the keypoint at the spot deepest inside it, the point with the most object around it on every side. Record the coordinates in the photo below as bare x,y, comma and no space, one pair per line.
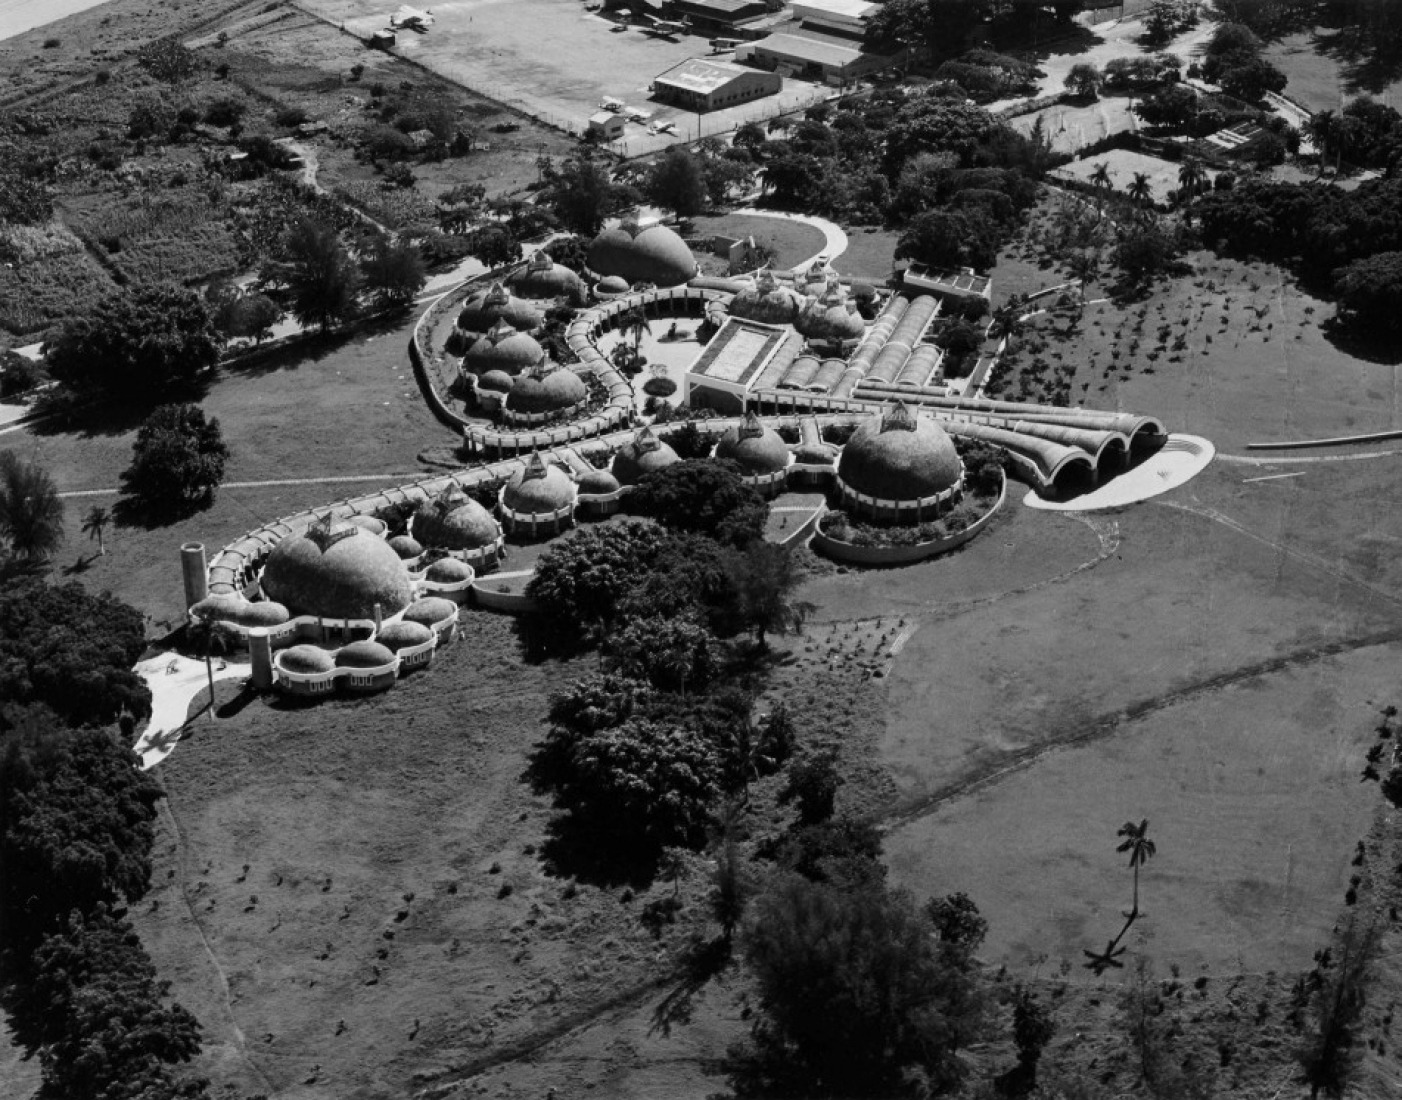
721,45
662,128
663,28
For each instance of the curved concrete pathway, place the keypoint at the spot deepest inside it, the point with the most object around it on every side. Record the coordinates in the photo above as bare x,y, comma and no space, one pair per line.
174,681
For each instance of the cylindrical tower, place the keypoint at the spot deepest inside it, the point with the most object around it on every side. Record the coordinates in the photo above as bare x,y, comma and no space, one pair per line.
260,649
193,567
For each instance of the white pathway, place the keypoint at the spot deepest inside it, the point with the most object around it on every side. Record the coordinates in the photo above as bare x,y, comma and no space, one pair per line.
174,681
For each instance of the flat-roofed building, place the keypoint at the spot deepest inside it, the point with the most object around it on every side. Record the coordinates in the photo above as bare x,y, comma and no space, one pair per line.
848,17
703,85
734,361
948,285
809,55
725,17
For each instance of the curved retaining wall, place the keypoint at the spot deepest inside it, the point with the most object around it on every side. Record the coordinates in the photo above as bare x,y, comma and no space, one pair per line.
905,555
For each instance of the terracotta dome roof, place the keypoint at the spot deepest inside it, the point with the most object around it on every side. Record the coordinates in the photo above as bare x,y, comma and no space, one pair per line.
900,456
598,483
613,284
546,388
406,546
262,613
401,635
496,303
218,605
455,521
372,524
754,446
497,381
305,658
543,278
645,454
502,348
538,488
449,571
767,301
831,316
363,654
652,255
338,571
430,610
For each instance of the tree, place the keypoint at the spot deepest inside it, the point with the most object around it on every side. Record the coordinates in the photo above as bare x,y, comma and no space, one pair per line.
1370,293
31,512
1140,848
1336,992
1100,178
95,525
856,998
667,651
635,322
945,239
177,460
1145,252
494,245
1033,1028
1175,107
581,194
1249,78
678,182
958,922
1140,190
731,888
764,577
24,200
580,580
320,274
750,135
1160,23
394,270
1083,80
705,497
71,651
146,345
169,61
813,783
1192,178
76,828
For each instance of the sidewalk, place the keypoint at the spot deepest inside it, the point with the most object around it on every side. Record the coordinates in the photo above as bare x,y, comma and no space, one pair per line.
174,681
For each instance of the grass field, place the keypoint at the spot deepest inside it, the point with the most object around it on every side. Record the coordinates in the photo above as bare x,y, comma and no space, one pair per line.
1123,165
792,242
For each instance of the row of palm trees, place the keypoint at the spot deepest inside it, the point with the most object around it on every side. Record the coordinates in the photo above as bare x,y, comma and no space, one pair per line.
1192,181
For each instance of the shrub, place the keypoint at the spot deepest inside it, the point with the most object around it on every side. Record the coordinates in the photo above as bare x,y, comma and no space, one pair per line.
659,387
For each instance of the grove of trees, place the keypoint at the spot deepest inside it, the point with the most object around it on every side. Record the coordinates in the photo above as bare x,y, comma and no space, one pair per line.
177,460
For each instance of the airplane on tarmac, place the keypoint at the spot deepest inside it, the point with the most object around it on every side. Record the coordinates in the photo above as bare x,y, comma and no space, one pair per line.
662,28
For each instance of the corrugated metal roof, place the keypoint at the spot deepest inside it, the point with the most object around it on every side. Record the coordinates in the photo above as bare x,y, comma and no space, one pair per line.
700,75
808,49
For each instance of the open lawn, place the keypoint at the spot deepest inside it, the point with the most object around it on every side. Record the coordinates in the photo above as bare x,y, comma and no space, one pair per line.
1322,79
870,253
792,241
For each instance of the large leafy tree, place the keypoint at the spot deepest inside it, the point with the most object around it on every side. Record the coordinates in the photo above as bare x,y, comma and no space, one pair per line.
31,512
949,239
678,182
704,497
394,271
581,194
72,651
24,199
1370,293
177,461
76,828
857,997
764,579
580,580
144,345
319,272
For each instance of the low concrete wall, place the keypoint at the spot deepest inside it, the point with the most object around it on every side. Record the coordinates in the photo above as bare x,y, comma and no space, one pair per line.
512,603
905,555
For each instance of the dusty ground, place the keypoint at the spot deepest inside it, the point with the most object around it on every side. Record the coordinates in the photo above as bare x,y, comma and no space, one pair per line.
556,61
1069,128
1123,165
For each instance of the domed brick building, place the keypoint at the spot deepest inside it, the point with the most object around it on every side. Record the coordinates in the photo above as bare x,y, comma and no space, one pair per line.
900,467
654,254
830,321
454,521
538,499
502,348
483,310
768,301
547,391
645,454
542,277
759,451
336,570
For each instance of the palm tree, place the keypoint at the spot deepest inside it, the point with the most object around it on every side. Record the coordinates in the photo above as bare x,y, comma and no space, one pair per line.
1100,178
1191,178
635,322
1140,848
1139,190
211,638
31,513
95,526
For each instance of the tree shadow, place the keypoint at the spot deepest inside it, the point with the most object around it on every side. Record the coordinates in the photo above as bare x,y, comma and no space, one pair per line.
146,515
1359,344
82,565
581,850
59,411
1075,40
1368,62
311,347
704,960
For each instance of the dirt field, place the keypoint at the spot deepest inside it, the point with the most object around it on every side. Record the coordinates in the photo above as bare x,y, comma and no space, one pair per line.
556,61
1070,128
1123,164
